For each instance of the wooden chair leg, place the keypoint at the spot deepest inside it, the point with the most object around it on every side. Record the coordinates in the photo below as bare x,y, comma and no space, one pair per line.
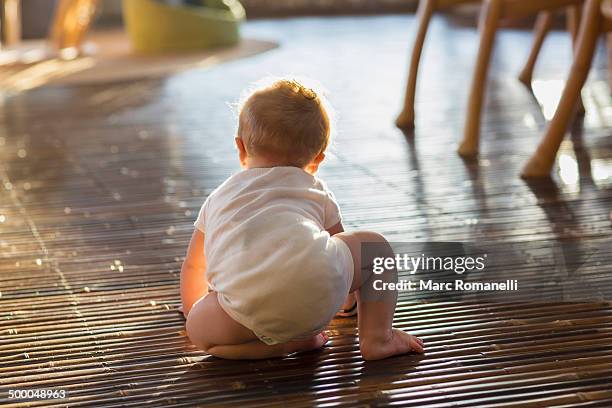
489,21
542,161
405,119
11,22
574,13
542,27
71,22
609,49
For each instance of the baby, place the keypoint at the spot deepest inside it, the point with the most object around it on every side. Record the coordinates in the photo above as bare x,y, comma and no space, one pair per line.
269,264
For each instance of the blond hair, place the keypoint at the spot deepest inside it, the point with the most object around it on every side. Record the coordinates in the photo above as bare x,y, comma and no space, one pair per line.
286,121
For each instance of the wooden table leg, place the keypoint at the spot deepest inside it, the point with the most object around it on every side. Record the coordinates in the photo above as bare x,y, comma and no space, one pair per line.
542,161
489,21
542,27
405,119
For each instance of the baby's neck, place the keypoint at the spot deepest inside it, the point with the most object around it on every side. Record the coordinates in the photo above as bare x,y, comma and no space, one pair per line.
261,162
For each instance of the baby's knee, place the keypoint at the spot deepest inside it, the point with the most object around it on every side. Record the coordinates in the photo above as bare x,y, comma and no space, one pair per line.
355,239
373,245
369,237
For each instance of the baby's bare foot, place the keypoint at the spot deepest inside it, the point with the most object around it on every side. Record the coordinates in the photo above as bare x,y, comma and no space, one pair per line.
398,342
312,343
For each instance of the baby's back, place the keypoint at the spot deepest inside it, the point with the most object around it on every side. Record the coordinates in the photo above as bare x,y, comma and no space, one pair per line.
267,248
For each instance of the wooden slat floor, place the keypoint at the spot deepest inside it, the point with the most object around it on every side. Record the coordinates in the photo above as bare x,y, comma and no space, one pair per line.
100,186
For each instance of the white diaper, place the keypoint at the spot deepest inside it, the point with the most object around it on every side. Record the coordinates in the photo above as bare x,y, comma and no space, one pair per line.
297,292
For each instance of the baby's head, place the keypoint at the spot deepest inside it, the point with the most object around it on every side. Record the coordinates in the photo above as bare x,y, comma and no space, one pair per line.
283,124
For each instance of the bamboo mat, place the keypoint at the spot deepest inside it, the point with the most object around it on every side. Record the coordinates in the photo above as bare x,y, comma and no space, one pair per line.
99,186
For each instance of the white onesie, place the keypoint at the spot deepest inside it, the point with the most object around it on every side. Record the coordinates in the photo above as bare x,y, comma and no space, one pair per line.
274,267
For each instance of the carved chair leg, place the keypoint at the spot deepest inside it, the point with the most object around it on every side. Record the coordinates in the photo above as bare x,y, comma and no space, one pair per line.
541,162
405,119
489,21
542,27
574,13
11,22
71,22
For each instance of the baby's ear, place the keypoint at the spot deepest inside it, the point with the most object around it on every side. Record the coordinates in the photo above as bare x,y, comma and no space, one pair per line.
319,158
314,164
242,153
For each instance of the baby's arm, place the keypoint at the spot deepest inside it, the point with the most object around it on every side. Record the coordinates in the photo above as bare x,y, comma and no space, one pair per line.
193,273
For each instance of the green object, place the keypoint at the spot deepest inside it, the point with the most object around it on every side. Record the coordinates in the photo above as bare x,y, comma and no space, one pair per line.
154,26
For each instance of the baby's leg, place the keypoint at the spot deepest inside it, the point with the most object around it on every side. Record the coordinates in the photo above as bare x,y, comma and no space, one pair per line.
377,338
214,331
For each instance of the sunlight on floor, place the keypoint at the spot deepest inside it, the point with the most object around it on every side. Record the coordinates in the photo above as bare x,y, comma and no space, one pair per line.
43,72
595,96
601,170
568,171
548,93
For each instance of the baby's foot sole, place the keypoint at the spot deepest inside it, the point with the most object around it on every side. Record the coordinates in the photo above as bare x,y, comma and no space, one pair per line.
398,343
313,343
